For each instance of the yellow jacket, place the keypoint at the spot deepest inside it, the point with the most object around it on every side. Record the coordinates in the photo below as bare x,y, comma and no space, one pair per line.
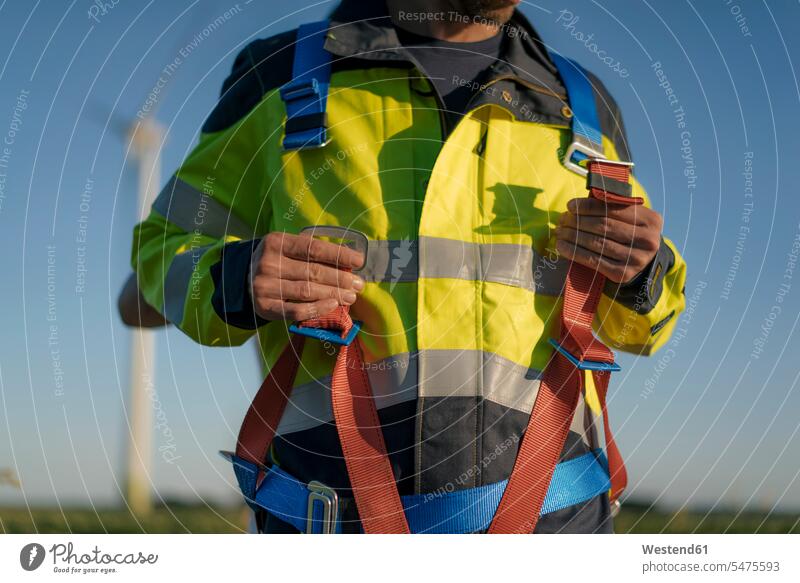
463,282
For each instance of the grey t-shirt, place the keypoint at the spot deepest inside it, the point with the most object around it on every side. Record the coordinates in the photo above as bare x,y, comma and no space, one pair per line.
452,66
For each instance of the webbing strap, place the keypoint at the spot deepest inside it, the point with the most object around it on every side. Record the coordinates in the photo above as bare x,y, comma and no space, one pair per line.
585,123
361,436
355,414
560,389
462,511
305,96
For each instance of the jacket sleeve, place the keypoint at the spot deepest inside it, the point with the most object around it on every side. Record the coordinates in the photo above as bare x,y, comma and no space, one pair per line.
640,316
191,254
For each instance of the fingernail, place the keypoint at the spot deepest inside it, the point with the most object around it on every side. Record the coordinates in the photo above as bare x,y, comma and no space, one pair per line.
349,297
358,283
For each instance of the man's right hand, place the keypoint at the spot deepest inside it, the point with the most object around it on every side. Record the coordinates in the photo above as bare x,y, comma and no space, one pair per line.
298,277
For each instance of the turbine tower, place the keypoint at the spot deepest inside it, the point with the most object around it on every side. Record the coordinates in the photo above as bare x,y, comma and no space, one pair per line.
145,138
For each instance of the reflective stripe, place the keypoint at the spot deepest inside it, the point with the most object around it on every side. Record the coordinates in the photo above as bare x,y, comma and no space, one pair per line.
397,261
193,210
448,373
177,283
391,261
474,373
393,381
516,265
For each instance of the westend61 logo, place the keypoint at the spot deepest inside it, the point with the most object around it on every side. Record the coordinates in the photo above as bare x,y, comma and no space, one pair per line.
66,560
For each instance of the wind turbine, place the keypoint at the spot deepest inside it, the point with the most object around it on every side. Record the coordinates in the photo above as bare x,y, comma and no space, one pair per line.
145,136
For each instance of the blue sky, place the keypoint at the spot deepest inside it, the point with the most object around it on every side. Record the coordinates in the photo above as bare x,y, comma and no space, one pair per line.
710,99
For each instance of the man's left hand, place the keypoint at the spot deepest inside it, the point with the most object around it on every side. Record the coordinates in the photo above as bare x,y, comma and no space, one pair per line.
618,241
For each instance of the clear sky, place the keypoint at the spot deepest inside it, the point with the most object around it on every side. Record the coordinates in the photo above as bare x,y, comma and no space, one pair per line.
710,98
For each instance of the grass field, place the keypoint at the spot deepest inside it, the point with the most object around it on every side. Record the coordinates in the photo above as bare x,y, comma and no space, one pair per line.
634,518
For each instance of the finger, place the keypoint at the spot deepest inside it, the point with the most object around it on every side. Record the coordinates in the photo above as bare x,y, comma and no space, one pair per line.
613,270
612,229
295,270
306,247
588,206
308,311
274,309
301,291
596,243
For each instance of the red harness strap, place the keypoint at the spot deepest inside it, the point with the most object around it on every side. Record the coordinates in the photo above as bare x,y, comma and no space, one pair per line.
356,418
560,389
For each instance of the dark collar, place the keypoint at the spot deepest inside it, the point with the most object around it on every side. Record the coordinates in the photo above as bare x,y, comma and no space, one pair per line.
363,29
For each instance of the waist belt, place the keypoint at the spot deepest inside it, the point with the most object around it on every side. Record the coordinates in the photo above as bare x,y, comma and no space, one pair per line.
314,508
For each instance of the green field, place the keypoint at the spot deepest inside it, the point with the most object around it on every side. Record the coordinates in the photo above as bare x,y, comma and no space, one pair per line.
174,519
633,518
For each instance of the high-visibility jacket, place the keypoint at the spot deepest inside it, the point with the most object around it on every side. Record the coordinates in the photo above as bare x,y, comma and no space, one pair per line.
463,281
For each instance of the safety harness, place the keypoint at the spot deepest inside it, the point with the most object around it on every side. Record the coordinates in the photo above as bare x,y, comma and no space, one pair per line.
538,484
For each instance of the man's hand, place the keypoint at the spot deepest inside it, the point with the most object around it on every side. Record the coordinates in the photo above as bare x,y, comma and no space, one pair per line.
298,277
618,241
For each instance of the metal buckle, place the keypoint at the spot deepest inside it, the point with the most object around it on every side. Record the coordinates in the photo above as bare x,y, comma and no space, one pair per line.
353,239
586,147
303,89
319,492
299,89
307,145
612,162
585,364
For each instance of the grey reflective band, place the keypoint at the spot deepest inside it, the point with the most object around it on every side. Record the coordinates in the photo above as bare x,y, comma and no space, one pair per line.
429,373
177,283
398,261
195,211
391,261
393,380
516,265
475,373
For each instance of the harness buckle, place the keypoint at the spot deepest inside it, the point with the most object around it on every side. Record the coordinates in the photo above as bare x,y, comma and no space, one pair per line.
300,95
608,162
585,364
355,240
298,89
350,237
326,335
329,499
584,147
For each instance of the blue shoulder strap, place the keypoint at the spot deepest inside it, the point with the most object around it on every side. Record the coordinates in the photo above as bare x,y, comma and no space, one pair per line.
587,140
306,95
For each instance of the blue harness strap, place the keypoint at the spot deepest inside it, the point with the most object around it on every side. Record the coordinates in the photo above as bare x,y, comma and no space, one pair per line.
305,96
455,512
587,139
